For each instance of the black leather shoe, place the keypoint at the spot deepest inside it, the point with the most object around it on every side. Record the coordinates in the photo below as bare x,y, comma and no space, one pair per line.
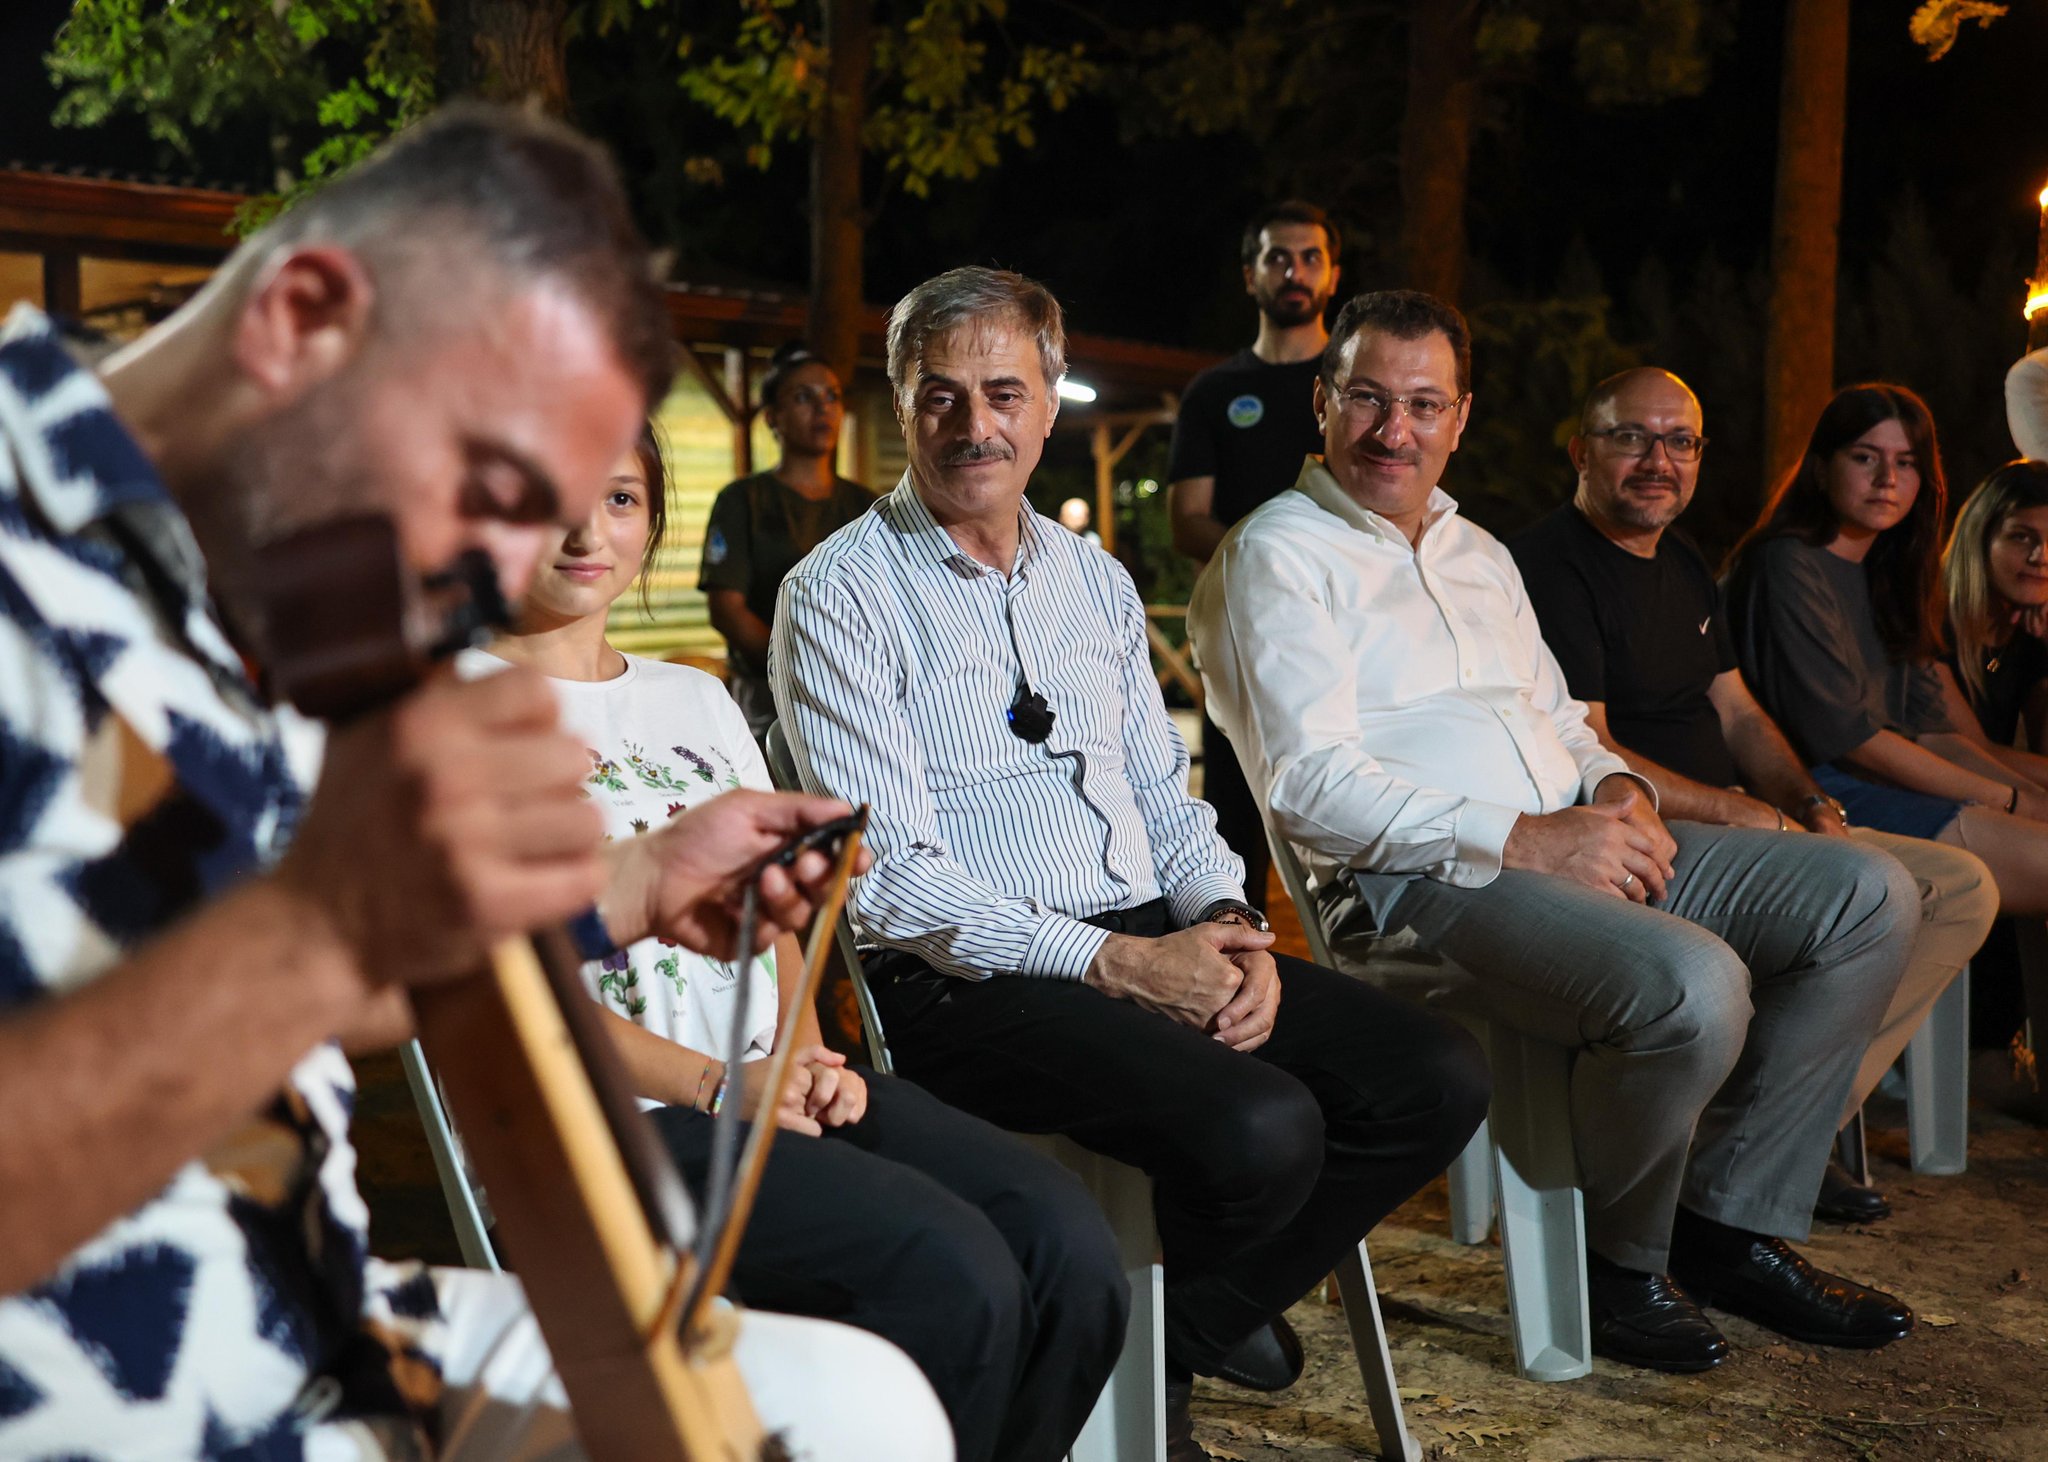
1844,1200
1268,1359
1181,1445
1769,1282
1646,1320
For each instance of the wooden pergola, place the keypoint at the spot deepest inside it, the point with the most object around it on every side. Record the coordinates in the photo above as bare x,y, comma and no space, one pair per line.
65,220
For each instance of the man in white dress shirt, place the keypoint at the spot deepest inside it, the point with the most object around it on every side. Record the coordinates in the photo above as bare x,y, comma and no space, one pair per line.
1375,659
1065,941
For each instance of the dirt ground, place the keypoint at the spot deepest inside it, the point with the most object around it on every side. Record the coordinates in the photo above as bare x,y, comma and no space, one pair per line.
1969,1253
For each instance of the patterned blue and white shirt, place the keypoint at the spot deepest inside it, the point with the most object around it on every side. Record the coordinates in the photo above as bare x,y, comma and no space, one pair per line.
894,660
140,776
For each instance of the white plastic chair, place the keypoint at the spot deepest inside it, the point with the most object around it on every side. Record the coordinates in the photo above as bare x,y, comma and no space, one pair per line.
1128,1423
1937,1063
1520,1160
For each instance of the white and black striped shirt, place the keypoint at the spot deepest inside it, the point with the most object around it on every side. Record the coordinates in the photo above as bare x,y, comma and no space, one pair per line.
893,671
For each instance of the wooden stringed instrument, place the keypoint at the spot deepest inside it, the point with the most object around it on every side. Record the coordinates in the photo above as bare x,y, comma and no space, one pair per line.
588,1199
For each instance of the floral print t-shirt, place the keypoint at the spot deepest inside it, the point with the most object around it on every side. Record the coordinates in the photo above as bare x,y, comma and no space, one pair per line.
663,738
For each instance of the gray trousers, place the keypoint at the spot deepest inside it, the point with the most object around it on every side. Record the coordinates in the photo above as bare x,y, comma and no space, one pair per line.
1718,1035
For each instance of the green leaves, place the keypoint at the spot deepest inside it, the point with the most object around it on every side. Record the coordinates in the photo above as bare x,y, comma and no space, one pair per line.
326,78
948,88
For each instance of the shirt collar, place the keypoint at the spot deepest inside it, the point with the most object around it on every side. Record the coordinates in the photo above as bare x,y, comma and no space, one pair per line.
1320,486
74,459
926,540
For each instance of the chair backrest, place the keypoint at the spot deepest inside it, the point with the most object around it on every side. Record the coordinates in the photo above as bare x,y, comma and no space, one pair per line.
1295,880
782,771
472,1235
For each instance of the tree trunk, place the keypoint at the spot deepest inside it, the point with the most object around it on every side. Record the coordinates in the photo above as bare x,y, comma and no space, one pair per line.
1799,344
837,223
505,51
1436,142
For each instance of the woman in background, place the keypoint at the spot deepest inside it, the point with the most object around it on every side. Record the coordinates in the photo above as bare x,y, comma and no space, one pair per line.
881,1206
1835,600
762,526
1996,572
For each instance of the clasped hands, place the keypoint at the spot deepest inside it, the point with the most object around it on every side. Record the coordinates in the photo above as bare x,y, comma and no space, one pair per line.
1617,844
1216,977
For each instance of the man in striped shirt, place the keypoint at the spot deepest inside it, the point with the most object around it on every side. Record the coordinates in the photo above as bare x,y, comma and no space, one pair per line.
1064,941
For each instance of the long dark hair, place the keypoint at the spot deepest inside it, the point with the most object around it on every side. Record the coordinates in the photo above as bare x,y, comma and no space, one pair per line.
652,454
1904,564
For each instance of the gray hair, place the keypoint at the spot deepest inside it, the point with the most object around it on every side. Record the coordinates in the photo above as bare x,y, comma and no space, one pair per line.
969,294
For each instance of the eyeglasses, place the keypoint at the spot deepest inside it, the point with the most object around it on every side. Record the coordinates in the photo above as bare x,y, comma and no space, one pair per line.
1424,412
1632,441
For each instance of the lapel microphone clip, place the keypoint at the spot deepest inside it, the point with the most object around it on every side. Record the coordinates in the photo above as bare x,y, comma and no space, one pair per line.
1030,717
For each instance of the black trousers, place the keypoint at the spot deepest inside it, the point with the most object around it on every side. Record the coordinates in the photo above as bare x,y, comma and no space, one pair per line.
989,1265
1238,821
1265,1166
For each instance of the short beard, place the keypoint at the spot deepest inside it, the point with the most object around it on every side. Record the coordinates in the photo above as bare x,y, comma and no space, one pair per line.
300,467
1633,515
1287,314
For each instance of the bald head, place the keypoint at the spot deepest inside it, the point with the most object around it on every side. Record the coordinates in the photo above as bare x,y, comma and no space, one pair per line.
1635,383
1637,455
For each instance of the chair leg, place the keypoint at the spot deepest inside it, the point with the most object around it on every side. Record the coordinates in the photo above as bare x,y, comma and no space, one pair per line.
1542,1215
471,1236
1369,1341
1471,1183
1128,1423
1938,1083
1850,1151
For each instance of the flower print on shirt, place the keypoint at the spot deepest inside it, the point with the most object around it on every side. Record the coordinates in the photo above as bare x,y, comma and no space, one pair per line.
653,773
605,773
730,777
622,987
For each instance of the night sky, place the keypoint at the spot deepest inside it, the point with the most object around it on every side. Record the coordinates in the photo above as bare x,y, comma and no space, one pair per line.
1139,239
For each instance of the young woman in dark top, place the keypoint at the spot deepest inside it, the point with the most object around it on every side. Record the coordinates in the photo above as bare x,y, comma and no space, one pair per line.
1996,571
1835,600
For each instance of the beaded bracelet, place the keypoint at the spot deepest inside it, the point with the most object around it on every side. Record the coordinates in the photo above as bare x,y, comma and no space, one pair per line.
718,1097
697,1097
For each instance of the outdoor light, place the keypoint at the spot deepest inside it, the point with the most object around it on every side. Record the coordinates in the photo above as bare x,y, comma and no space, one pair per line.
2037,287
1073,390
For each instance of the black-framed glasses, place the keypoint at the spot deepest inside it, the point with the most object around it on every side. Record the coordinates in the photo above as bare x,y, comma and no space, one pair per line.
1633,441
1375,405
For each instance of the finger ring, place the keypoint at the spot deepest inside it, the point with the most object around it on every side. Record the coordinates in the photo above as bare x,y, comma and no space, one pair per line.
1627,879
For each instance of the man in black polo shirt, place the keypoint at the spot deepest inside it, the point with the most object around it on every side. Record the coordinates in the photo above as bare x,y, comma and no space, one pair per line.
1243,428
1633,615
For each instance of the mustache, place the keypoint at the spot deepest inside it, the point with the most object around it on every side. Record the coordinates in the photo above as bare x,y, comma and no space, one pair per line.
1373,451
968,452
1650,479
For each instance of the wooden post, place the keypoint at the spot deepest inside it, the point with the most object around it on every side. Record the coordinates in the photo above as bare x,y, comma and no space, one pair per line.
1105,486
63,293
740,411
1799,344
838,220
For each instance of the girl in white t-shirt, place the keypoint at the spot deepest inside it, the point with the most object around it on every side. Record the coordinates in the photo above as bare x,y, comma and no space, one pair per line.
882,1207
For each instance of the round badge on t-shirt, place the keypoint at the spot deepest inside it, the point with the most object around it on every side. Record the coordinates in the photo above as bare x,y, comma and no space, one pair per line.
1245,411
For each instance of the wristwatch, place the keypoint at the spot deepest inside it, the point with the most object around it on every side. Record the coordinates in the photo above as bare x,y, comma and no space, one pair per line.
1228,911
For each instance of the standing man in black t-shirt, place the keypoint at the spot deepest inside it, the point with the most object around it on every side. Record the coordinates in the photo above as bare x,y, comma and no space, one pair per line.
1244,427
1632,613
762,525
